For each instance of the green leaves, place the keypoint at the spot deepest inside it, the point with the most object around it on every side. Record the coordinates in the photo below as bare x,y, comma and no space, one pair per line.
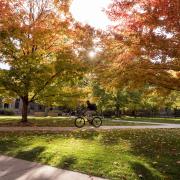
42,50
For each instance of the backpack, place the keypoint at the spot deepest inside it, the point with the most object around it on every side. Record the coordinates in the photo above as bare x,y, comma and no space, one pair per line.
92,107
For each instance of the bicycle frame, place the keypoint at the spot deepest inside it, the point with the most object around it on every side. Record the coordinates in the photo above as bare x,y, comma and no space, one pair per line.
88,119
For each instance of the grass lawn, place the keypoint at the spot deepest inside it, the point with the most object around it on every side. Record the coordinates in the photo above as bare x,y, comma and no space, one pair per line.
152,119
54,121
125,154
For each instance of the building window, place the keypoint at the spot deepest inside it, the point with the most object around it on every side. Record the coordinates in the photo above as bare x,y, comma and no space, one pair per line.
31,106
40,108
17,102
6,106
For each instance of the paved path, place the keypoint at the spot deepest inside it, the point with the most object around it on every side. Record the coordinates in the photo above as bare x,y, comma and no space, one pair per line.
16,169
139,122
61,129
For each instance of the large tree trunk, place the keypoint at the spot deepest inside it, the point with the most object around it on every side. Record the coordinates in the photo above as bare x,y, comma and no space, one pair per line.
24,109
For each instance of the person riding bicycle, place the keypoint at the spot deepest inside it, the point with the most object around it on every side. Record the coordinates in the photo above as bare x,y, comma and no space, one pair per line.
89,114
91,109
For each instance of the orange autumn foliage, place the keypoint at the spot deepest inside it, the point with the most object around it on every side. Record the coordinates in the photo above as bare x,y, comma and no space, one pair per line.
143,47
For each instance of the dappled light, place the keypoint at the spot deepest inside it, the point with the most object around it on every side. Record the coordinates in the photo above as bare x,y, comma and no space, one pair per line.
118,154
90,88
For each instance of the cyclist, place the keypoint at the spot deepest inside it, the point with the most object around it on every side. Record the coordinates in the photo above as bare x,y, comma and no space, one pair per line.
91,109
90,115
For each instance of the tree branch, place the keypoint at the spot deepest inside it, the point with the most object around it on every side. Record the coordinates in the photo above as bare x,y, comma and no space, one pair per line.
42,88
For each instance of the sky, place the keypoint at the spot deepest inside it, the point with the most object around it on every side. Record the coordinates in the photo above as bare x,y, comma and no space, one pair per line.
4,66
91,12
87,11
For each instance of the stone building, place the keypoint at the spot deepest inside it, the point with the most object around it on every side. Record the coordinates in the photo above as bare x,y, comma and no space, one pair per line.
16,106
33,108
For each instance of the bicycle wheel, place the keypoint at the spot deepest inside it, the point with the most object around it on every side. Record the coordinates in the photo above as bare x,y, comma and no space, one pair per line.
96,122
79,122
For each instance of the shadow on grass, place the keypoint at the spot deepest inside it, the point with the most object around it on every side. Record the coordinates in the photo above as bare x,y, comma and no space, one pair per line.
7,145
160,148
67,162
31,155
145,173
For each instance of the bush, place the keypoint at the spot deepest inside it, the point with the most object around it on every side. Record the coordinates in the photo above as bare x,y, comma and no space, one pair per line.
108,113
7,112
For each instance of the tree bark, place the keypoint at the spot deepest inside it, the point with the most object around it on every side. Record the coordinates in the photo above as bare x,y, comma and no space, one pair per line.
24,109
118,112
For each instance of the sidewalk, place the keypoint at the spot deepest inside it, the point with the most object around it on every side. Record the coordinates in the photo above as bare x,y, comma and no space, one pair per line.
140,122
16,169
61,129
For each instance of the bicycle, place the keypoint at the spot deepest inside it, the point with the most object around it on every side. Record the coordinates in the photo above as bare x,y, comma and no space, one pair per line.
96,121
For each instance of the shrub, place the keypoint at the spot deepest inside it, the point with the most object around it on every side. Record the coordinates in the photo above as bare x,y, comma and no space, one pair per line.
108,113
7,112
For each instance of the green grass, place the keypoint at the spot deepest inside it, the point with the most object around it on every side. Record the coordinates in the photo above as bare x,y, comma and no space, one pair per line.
37,121
124,154
152,119
54,121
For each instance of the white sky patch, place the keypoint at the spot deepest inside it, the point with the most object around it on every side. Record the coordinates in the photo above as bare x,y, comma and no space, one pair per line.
91,12
139,9
4,66
162,31
16,43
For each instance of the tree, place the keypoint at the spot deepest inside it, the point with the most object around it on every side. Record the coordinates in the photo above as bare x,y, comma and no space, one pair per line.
66,93
101,96
121,98
143,47
116,99
41,43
